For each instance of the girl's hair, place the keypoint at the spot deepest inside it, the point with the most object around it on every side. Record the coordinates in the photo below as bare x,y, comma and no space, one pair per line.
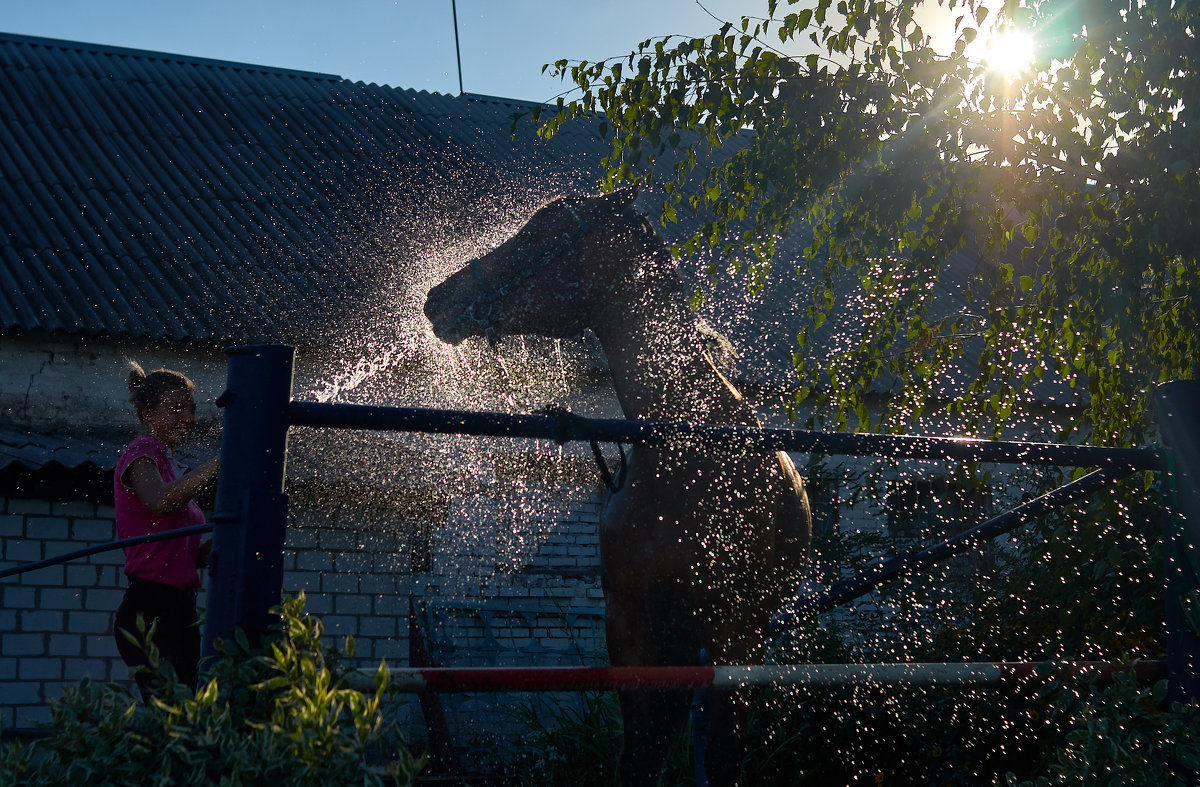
146,390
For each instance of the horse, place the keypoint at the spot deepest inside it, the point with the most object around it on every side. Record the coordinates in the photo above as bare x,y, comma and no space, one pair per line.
701,544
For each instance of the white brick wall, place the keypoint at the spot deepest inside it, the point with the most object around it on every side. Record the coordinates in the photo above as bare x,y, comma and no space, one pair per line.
54,621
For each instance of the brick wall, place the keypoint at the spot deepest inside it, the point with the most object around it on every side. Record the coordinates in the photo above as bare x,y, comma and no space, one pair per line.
54,622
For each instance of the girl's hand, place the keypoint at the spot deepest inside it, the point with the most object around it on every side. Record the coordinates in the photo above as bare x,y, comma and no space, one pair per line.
202,556
160,497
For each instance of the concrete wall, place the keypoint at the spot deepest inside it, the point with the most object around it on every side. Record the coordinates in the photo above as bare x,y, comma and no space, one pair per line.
65,385
54,622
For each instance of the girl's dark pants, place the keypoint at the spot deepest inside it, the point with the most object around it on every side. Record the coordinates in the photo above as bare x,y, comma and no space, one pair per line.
177,635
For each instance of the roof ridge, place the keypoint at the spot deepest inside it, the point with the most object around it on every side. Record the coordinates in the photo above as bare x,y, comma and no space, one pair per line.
148,54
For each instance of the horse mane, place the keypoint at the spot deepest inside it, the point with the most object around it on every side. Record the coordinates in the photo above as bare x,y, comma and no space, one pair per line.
722,352
665,282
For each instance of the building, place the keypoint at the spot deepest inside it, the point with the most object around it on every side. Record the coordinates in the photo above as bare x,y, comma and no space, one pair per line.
161,208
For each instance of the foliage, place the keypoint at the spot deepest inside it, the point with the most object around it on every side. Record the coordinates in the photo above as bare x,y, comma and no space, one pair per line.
1124,735
1021,609
282,716
876,734
577,742
1039,734
1085,583
1074,180
569,741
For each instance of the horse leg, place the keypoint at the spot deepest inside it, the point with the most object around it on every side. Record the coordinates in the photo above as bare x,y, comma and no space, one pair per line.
652,719
725,748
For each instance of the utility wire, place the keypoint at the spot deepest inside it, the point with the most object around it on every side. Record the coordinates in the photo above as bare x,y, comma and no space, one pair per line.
457,51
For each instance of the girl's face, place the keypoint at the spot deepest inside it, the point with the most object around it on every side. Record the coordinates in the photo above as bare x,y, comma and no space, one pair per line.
171,422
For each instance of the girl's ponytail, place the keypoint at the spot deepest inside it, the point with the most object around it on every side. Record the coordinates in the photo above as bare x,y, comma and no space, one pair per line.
146,390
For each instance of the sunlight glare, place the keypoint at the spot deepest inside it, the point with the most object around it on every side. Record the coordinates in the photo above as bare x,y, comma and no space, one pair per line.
1009,52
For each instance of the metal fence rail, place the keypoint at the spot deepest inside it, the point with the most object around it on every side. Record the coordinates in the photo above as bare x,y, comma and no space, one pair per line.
107,546
261,411
905,565
567,427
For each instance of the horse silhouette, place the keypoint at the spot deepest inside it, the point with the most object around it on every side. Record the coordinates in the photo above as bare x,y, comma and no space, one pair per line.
702,543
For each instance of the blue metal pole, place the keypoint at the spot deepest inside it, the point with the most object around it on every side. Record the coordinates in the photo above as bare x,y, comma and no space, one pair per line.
246,569
565,427
903,565
1179,423
108,546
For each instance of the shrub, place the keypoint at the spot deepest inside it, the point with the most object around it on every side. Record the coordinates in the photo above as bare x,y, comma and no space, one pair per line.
1123,735
281,715
575,740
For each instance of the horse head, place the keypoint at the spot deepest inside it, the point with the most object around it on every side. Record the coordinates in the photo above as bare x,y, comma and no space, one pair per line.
546,279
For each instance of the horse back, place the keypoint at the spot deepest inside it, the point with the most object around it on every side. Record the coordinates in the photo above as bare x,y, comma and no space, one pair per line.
793,520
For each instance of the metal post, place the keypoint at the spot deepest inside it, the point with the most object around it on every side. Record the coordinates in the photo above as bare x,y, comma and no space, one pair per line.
246,570
1179,424
701,719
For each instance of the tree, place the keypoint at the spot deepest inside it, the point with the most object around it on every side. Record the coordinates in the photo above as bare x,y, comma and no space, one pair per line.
1075,180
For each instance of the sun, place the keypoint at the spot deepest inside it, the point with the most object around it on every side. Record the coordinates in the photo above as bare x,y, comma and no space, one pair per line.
1009,52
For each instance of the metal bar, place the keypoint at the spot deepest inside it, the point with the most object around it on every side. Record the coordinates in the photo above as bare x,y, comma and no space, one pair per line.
566,428
1179,423
522,679
247,559
108,546
902,565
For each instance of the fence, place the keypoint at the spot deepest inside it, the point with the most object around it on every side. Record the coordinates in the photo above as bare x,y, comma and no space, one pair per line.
251,507
259,410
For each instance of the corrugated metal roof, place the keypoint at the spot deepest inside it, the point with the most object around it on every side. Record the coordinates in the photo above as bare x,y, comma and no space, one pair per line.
158,196
38,451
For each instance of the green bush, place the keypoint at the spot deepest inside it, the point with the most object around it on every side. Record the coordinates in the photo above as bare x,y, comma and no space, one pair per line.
281,715
573,741
1085,584
1122,735
576,741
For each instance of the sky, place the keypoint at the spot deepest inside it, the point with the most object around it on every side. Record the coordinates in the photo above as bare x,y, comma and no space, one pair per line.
401,43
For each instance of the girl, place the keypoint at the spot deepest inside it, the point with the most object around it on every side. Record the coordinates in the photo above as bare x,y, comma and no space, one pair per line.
152,493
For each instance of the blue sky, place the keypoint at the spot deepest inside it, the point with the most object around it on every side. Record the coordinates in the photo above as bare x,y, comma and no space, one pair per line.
402,43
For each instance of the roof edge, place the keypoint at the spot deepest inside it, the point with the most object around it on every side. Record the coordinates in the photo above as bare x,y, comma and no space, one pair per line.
515,102
59,43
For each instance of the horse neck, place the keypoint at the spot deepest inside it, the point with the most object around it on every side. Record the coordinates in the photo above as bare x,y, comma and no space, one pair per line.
658,368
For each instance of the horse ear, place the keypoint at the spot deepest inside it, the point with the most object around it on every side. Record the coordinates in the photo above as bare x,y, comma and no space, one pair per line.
622,198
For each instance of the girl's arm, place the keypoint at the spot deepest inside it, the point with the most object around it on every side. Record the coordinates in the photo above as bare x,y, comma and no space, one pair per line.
161,497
